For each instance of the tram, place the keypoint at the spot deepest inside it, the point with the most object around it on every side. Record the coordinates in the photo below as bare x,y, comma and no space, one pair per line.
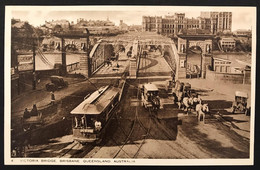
91,117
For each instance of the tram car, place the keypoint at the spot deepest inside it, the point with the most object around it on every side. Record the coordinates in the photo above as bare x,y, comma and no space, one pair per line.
150,97
92,116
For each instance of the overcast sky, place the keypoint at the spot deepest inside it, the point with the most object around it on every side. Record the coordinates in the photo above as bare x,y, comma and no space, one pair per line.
242,17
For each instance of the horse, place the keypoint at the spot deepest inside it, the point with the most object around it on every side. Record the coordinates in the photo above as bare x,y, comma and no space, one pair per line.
196,101
201,110
179,97
187,102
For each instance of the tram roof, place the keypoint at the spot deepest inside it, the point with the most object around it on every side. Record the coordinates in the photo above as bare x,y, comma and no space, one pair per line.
97,101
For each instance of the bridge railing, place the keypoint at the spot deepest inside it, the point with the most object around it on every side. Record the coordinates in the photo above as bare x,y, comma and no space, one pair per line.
73,66
139,59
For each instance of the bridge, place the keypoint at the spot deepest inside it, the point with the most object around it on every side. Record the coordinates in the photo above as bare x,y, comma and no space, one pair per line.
168,56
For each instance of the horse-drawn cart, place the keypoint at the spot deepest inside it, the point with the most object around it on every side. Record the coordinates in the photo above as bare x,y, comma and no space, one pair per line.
240,103
150,98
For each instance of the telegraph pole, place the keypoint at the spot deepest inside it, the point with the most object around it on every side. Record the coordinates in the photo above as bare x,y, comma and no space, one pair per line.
34,74
63,57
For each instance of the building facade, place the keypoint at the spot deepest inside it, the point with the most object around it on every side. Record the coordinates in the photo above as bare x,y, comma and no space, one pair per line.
227,43
243,33
212,22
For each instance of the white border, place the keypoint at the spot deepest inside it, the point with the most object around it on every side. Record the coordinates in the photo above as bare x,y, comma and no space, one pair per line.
48,161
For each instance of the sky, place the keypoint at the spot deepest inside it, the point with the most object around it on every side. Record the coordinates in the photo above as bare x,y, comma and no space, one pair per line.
242,17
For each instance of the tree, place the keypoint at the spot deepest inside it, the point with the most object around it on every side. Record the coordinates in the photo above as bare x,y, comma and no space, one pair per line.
57,29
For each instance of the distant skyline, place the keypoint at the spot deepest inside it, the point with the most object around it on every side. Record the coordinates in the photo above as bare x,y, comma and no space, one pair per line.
242,17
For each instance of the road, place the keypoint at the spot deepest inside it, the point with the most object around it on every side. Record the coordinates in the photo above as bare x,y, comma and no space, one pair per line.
137,133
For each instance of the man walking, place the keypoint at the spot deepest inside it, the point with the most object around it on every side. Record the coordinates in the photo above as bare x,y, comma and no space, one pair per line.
52,97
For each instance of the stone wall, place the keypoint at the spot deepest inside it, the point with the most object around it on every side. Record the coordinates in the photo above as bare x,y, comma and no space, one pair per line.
230,77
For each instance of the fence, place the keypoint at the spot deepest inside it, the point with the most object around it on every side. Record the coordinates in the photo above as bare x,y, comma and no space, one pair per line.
73,67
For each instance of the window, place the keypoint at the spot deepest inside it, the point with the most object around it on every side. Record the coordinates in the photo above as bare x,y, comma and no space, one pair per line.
217,69
222,69
228,69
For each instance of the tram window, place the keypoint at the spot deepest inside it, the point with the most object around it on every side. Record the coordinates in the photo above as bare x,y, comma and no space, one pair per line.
116,100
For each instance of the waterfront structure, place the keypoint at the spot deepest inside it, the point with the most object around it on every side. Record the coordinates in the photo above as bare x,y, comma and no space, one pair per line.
227,43
212,22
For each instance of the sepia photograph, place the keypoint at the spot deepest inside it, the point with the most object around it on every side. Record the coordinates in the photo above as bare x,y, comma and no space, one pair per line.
129,85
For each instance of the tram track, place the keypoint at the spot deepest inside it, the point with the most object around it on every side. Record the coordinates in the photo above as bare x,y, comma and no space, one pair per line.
128,135
74,144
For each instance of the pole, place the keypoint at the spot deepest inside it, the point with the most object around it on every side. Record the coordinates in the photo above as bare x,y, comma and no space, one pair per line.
63,57
244,76
34,75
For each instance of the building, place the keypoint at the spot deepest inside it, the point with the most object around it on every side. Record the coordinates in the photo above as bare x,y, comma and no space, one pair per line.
63,23
173,24
227,43
81,22
22,40
221,21
243,33
230,65
221,65
123,26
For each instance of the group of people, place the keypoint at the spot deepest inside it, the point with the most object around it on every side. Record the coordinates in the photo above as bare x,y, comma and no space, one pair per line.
33,112
82,123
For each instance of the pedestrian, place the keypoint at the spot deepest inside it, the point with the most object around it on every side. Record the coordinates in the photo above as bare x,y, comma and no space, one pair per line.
173,76
52,97
26,114
34,111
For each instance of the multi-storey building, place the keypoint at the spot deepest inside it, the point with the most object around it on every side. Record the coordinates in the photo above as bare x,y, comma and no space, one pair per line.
172,24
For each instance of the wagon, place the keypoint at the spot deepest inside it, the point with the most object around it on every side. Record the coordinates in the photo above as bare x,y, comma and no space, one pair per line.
240,103
32,122
150,96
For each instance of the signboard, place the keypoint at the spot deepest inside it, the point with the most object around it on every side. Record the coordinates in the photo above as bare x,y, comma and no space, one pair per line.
25,67
25,59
